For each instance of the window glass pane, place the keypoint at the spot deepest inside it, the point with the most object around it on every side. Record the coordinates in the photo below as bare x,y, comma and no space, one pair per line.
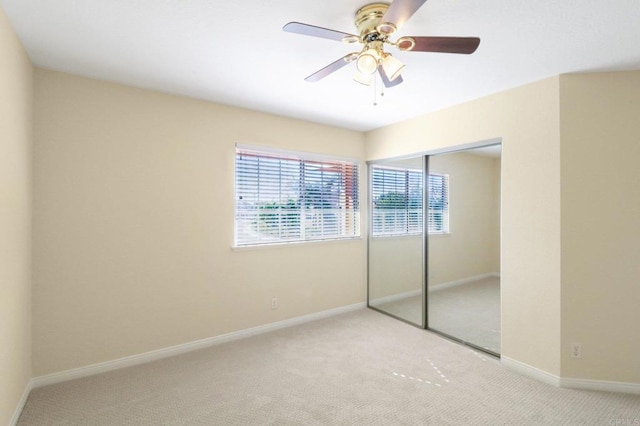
282,198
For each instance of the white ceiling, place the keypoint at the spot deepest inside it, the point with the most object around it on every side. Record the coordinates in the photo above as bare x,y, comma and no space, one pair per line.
235,52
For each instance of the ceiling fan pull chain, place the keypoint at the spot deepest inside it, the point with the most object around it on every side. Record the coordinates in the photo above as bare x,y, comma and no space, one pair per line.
375,90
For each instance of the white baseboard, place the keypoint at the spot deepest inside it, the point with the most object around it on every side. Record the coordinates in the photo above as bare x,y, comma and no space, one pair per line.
436,287
582,384
530,371
395,297
20,406
103,367
600,385
455,283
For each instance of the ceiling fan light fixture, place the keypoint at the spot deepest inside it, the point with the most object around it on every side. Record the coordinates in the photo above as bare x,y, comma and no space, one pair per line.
367,62
386,28
351,56
392,67
405,43
361,78
350,39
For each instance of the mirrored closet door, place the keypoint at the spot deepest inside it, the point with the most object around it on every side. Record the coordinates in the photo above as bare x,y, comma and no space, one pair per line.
396,240
434,243
463,261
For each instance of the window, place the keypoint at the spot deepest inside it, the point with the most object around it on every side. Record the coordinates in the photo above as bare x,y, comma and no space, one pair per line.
438,214
288,197
397,202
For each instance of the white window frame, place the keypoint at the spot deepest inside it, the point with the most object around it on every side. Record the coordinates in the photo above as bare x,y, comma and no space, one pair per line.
284,197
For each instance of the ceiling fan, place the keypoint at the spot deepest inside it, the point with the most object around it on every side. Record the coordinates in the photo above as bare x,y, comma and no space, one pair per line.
376,22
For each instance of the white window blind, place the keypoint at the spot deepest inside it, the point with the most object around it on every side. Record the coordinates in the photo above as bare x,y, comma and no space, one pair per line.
397,201
283,197
438,214
397,196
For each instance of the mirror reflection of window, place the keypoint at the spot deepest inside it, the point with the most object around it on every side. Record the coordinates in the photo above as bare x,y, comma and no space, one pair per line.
397,201
396,246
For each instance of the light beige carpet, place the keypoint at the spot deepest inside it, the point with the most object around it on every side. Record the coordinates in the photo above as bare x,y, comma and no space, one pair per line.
358,368
469,312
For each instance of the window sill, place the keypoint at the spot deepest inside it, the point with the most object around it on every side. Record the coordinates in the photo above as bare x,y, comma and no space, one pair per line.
415,234
439,234
294,244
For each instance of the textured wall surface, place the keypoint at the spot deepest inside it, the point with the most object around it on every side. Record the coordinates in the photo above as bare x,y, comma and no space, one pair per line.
601,225
134,201
16,99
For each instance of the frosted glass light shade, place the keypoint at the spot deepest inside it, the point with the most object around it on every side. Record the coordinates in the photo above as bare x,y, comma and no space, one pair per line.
392,67
363,78
367,62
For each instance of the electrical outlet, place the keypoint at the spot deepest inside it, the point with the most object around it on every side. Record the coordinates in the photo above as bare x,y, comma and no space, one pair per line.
576,350
274,303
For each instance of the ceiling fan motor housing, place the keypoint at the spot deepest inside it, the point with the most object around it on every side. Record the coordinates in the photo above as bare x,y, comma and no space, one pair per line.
368,19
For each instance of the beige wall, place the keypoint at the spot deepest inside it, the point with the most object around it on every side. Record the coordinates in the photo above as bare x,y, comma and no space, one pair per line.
527,120
472,248
134,224
600,132
395,266
16,94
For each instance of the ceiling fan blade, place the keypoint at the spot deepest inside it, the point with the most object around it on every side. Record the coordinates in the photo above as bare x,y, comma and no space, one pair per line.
400,11
331,68
465,45
385,80
312,30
